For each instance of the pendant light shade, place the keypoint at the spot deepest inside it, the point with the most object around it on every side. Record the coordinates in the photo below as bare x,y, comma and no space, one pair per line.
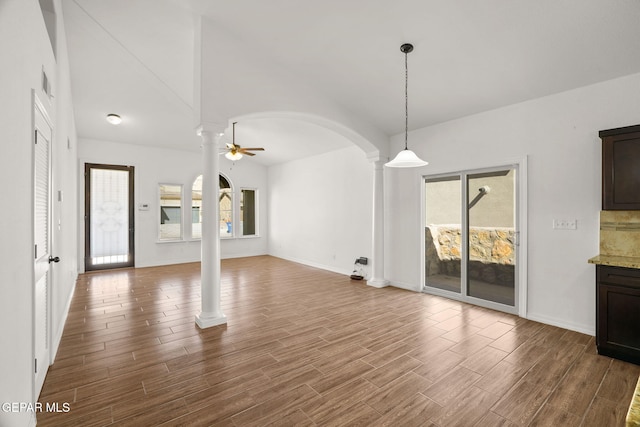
406,158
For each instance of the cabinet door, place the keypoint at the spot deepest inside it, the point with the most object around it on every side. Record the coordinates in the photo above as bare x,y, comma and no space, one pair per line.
621,172
620,320
618,313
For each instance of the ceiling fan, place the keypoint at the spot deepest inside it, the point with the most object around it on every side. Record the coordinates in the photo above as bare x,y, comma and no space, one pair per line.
235,151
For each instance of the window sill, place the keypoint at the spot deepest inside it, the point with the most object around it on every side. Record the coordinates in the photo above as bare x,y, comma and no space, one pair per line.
200,239
171,241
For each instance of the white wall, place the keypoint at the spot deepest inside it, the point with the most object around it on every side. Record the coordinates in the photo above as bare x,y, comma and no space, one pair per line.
64,187
320,209
25,49
158,165
559,134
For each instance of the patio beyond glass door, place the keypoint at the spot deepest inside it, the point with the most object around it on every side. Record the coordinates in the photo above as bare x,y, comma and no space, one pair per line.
492,236
471,237
443,237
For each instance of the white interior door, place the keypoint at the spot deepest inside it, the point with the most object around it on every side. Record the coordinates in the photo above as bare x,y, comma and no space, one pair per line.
42,243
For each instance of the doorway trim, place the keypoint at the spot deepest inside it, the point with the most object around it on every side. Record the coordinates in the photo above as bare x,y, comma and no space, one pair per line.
521,226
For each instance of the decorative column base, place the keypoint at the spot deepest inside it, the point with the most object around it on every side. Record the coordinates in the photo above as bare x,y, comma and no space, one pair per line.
378,283
204,320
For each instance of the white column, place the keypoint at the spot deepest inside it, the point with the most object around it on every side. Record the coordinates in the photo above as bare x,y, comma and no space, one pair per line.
211,313
377,280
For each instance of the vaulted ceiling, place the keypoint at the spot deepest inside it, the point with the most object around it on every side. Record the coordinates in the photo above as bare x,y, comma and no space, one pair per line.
136,58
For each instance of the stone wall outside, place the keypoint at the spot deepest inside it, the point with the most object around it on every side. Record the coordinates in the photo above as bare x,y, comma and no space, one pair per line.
491,252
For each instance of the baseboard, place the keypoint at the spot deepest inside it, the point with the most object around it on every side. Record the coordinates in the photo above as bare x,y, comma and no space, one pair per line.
314,264
58,335
198,259
243,255
562,324
406,286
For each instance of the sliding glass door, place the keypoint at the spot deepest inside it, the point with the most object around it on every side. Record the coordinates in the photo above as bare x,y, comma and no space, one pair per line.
443,237
471,236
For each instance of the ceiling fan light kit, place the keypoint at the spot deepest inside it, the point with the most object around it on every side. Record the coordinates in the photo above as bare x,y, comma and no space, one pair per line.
406,158
235,151
233,156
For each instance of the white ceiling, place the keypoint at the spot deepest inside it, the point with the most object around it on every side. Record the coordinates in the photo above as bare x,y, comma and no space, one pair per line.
135,58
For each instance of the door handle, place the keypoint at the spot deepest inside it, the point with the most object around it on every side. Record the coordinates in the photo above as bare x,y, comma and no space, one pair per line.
54,259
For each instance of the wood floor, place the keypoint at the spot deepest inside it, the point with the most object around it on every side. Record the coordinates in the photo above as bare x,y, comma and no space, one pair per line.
307,347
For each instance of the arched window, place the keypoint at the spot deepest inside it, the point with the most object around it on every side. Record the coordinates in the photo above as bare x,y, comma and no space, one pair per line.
226,208
225,198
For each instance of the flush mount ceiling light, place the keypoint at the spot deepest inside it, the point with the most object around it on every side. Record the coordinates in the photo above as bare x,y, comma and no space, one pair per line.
406,158
114,119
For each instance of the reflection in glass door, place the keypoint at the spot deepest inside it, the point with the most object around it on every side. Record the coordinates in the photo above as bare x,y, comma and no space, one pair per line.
443,243
471,236
109,211
491,257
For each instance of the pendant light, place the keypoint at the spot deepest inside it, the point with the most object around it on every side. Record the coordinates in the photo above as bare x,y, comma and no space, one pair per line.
406,158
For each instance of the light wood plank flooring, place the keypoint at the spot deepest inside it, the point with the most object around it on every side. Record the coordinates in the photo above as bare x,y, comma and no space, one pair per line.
308,347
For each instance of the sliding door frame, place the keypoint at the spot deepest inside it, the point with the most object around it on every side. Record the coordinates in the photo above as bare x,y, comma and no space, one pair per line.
520,291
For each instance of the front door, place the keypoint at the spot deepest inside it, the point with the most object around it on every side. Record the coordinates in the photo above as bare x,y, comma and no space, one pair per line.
109,225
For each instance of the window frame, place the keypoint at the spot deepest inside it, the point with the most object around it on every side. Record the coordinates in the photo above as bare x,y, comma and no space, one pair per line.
232,211
190,221
256,212
159,237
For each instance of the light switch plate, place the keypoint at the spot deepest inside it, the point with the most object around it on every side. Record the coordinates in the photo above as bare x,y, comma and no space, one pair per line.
565,224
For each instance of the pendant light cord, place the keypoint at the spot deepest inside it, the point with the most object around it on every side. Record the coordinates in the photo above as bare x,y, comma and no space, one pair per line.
406,100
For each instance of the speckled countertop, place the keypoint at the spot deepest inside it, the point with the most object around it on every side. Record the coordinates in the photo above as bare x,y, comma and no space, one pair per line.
619,239
616,261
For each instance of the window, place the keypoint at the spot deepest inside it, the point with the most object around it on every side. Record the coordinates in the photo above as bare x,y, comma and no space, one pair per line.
248,205
170,212
226,208
196,208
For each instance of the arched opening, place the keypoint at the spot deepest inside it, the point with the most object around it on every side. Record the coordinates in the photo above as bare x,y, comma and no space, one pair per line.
298,134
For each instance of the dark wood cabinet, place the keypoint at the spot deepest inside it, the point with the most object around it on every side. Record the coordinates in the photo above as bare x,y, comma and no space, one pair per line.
618,312
621,168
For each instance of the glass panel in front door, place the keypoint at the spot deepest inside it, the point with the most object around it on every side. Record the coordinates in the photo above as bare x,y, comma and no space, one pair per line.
109,218
443,237
492,233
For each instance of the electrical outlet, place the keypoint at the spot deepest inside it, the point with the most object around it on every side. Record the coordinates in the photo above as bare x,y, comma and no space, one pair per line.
565,224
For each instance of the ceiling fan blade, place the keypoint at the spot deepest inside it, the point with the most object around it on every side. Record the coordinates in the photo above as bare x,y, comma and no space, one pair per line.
245,152
254,149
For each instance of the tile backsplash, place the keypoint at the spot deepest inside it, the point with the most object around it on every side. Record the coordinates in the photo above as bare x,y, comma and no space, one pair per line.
620,233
